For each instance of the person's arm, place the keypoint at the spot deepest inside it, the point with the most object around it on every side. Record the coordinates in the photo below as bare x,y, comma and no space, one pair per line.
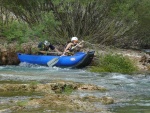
44,52
51,47
80,44
68,46
59,52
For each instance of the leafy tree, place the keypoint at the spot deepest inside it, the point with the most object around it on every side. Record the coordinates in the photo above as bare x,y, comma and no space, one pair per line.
143,27
107,22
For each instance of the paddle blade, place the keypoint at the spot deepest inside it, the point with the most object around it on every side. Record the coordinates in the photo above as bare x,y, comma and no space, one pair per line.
52,62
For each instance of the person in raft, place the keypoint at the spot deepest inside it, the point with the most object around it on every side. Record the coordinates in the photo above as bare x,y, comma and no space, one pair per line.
45,47
72,46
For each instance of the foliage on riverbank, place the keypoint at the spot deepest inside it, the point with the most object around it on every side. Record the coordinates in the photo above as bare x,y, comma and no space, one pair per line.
121,23
114,63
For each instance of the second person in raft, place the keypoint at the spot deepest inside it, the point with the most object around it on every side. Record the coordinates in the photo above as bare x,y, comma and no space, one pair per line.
45,47
70,48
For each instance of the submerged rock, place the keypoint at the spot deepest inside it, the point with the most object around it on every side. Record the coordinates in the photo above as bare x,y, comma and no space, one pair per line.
53,99
103,100
91,87
53,87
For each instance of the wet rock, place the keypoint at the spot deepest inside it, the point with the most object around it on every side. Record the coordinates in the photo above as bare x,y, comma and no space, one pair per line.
107,100
8,52
3,56
91,87
60,86
52,100
46,88
8,55
5,111
64,103
103,100
17,108
145,59
54,87
2,89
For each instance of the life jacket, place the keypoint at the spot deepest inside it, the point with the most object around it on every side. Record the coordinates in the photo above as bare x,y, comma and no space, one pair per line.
71,49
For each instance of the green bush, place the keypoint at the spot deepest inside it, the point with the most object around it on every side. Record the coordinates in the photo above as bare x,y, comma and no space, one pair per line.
15,31
114,63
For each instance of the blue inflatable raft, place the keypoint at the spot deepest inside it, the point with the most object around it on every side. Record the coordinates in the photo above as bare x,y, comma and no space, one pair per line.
78,60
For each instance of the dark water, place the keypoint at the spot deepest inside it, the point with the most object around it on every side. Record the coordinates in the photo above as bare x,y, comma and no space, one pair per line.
130,92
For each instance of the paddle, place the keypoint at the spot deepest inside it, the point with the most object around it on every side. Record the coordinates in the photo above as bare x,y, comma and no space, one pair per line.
55,60
52,62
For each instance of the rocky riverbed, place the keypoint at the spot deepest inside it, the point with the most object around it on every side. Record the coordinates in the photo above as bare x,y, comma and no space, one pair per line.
56,96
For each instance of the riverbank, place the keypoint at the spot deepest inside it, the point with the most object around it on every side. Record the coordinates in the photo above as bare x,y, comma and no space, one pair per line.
8,54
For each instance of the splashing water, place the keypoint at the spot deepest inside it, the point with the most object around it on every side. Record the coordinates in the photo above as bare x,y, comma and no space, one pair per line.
130,92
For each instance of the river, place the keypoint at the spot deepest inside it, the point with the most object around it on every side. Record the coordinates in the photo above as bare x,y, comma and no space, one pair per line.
130,92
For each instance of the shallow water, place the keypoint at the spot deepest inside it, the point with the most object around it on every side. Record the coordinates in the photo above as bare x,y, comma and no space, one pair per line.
130,92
